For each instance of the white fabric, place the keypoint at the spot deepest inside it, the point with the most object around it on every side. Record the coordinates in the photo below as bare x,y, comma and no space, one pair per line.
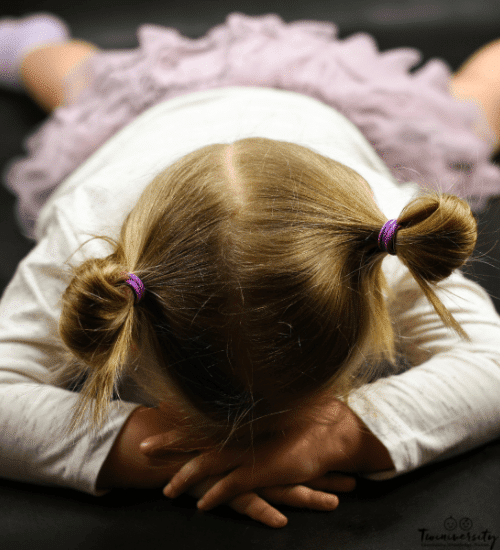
446,405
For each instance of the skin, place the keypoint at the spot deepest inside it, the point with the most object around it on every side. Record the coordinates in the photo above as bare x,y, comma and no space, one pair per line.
127,466
305,453
478,81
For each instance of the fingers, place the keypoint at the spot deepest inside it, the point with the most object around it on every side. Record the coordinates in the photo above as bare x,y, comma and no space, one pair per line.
233,484
333,483
173,441
198,469
249,504
160,444
190,474
300,496
240,481
255,507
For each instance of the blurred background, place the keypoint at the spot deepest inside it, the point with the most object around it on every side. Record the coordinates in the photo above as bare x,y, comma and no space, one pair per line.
448,29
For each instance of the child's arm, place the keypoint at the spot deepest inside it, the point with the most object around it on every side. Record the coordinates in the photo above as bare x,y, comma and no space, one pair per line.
126,467
448,402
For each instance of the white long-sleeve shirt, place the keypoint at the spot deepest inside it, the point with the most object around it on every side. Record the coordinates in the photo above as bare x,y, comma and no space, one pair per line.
444,405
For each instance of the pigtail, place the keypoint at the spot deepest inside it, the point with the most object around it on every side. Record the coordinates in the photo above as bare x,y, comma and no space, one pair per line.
97,326
437,235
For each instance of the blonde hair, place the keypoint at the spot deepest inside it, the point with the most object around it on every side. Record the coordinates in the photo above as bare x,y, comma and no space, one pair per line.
263,284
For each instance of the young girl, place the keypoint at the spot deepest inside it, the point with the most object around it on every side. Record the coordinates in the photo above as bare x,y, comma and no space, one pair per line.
235,282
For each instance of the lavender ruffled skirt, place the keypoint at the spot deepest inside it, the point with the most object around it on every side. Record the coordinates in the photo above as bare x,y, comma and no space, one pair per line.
419,130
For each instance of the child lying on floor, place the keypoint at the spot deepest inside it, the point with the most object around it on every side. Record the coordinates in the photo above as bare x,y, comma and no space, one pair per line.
240,294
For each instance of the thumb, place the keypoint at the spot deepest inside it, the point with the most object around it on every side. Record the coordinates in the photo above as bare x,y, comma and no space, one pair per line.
163,443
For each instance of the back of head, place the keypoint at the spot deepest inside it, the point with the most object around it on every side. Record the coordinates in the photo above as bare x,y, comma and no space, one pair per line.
263,284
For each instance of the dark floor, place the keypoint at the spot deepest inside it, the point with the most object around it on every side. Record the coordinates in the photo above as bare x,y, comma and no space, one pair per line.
378,516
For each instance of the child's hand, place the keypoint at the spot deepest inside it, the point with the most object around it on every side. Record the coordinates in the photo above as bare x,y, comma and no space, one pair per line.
305,453
127,467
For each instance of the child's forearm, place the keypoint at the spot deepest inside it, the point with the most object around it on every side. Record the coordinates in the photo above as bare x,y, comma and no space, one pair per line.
126,466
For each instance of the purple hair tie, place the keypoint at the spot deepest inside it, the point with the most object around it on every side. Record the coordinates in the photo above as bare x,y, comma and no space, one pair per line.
136,285
387,237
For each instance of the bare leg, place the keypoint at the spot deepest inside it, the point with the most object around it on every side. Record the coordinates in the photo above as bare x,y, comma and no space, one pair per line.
478,80
45,71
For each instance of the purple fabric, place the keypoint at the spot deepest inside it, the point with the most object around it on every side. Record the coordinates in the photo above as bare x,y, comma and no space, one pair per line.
419,130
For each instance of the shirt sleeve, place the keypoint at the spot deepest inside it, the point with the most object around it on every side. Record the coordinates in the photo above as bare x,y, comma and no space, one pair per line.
446,402
33,413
